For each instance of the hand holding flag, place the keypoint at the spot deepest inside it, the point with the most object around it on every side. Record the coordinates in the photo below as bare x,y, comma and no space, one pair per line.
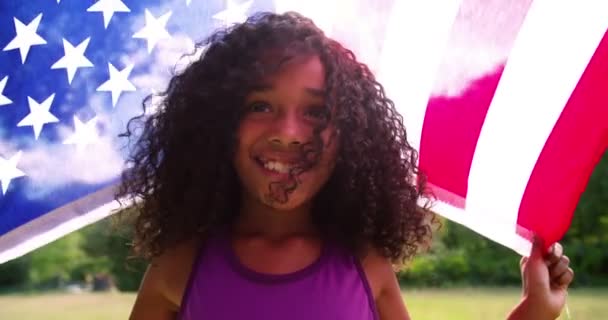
545,280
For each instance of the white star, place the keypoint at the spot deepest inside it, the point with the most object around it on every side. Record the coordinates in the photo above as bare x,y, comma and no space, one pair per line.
26,37
234,13
73,59
188,2
84,133
154,30
39,115
3,99
108,7
119,82
9,170
58,1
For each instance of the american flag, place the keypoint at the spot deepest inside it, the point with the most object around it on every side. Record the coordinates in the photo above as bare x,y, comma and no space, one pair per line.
507,100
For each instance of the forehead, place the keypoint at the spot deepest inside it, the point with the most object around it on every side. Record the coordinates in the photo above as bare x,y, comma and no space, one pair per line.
298,71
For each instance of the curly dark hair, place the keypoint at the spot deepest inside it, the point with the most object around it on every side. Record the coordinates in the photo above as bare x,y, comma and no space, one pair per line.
181,166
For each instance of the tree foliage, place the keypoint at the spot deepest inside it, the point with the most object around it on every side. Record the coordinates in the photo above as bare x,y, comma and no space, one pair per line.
458,256
100,248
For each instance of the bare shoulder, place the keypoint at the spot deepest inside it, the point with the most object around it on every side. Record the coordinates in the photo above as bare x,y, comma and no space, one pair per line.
378,270
176,265
384,285
164,283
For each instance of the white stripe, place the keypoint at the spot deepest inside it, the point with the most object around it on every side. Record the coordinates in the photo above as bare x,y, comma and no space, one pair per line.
555,44
48,236
417,34
485,227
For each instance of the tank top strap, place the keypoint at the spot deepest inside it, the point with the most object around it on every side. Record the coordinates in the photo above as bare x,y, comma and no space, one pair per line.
205,253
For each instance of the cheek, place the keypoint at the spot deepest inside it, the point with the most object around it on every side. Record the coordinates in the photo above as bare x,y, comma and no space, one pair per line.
245,137
327,161
330,152
329,164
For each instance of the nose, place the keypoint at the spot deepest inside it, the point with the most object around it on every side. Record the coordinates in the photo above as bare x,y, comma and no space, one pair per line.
288,130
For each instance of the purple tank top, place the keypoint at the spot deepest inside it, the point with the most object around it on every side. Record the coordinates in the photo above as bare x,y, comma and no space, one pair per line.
221,288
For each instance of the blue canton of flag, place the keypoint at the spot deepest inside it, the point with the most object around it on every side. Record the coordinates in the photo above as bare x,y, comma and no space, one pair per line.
72,73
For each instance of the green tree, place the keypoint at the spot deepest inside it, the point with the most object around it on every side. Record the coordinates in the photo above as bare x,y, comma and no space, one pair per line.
586,241
55,261
108,245
14,273
459,255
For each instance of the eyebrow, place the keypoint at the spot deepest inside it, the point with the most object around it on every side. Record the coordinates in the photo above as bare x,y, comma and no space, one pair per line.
312,91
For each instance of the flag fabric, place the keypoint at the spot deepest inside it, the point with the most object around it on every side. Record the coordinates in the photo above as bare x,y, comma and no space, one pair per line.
72,73
506,101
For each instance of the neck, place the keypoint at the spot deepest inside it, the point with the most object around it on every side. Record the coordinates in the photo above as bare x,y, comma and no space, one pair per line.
258,218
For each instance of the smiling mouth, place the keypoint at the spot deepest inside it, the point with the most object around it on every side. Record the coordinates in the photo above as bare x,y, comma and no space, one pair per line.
275,166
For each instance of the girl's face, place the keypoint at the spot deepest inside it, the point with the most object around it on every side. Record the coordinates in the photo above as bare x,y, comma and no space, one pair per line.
280,116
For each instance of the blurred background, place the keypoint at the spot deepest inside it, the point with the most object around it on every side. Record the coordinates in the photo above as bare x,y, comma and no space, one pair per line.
90,274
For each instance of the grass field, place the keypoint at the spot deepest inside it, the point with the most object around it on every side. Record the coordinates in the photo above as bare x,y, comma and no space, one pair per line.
427,304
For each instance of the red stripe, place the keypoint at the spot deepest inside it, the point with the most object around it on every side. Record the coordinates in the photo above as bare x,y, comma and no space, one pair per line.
452,124
566,162
449,136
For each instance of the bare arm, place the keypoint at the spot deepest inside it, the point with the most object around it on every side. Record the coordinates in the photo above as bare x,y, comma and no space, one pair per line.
385,287
390,302
151,302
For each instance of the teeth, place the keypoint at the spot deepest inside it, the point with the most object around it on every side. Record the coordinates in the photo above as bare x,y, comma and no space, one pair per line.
277,166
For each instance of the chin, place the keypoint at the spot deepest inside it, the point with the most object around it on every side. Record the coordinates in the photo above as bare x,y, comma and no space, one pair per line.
293,202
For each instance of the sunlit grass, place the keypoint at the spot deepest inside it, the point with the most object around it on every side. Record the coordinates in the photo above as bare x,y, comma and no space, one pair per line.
89,306
424,304
477,304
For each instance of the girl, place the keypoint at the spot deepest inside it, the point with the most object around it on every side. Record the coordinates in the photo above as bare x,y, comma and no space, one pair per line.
276,182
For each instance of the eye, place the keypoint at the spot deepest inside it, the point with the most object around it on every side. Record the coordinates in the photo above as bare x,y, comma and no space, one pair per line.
318,112
259,106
